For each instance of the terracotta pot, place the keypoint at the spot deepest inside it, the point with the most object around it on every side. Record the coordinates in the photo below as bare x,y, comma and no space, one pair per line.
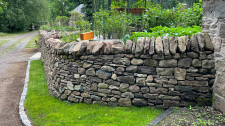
87,35
132,10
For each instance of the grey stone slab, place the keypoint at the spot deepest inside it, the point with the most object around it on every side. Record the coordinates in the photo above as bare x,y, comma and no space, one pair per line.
161,117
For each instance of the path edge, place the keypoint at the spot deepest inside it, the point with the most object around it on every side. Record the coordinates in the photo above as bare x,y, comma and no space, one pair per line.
23,116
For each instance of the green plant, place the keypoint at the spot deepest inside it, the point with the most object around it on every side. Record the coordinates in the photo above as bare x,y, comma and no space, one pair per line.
65,38
138,4
83,25
62,19
190,16
69,36
118,4
75,16
174,17
125,38
112,22
162,31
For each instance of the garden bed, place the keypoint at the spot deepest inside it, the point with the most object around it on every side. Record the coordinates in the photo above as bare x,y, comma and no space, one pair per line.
194,116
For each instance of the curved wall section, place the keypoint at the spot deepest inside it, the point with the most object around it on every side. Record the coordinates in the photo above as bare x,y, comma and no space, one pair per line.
159,72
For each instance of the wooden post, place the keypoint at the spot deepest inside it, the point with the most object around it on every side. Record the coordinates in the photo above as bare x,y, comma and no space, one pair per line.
127,6
92,25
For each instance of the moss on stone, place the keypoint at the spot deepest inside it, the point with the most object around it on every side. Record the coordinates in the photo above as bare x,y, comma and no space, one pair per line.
204,101
213,98
64,57
80,64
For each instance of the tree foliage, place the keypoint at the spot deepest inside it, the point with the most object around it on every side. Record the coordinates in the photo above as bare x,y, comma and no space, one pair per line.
63,7
87,9
19,14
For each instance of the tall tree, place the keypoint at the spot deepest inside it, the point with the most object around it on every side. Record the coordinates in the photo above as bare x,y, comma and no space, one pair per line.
87,9
63,7
19,14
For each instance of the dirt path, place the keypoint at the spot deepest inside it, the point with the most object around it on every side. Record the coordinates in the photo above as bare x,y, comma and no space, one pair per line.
13,64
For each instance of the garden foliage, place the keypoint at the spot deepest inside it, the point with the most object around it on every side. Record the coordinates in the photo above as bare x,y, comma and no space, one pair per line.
175,17
157,20
112,22
162,31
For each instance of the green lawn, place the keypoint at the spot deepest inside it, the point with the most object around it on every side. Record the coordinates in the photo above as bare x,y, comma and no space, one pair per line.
3,41
31,43
45,110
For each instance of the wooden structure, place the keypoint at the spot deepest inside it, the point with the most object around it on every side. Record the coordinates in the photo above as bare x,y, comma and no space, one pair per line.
87,36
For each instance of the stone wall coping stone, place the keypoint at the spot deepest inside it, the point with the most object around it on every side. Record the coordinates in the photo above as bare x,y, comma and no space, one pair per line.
143,46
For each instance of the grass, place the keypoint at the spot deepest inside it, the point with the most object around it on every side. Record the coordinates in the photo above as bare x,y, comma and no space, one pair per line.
12,46
2,34
45,110
31,43
3,41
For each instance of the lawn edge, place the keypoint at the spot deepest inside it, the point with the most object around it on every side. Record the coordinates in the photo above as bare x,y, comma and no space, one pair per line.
160,117
23,116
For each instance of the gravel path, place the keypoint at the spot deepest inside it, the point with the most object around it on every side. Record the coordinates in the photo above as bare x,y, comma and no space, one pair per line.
13,66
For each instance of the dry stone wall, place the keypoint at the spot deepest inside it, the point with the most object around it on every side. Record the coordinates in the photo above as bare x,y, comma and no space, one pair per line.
160,72
214,25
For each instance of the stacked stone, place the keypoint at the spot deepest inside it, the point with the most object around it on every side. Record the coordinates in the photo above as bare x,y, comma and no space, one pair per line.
160,72
214,25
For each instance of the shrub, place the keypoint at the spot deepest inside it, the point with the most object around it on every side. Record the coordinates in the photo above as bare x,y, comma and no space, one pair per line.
62,19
